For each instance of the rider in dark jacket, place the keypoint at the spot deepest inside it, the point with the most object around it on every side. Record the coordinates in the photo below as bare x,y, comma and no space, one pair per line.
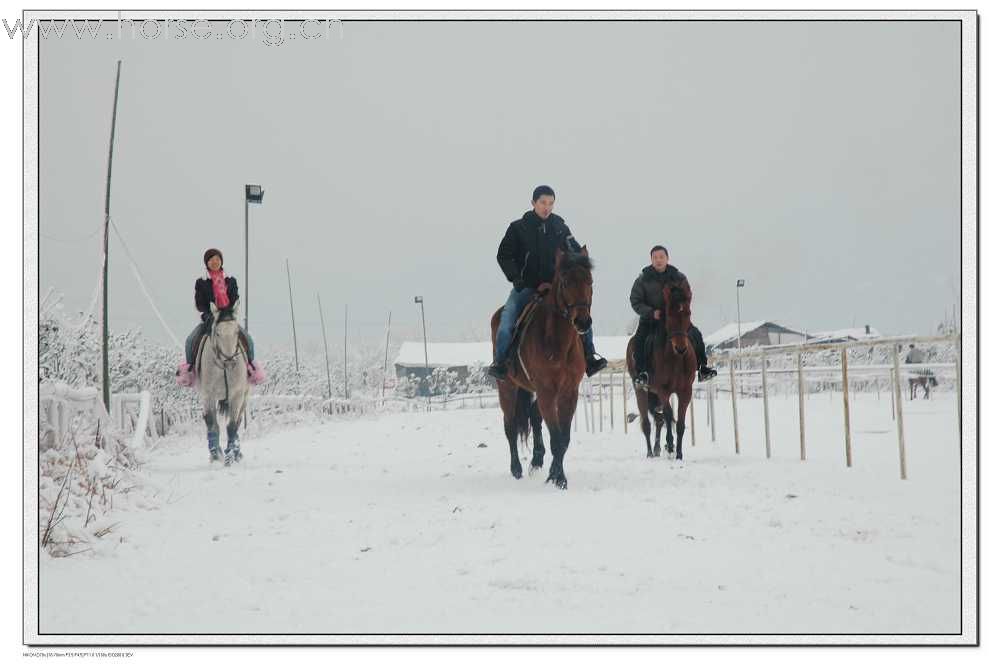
204,296
647,301
527,256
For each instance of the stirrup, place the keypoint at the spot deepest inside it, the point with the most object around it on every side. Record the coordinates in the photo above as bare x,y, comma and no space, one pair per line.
641,381
497,370
595,364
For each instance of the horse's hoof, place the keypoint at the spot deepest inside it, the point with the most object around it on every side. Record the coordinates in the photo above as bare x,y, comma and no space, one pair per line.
649,454
562,484
516,473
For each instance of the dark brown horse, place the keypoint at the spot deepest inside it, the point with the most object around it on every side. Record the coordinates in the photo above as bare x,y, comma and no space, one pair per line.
549,365
673,366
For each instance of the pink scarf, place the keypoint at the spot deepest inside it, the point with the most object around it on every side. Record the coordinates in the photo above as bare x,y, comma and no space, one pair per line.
219,288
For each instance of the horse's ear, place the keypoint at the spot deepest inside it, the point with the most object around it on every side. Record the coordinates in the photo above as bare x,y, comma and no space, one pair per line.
583,250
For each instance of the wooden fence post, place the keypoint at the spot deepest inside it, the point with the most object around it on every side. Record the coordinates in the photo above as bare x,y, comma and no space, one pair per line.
899,415
767,418
732,387
847,405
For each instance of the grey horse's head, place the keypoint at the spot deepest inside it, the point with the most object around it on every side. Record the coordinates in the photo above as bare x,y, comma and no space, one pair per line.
225,332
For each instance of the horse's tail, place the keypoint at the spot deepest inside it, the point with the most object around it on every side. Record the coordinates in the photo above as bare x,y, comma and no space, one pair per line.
224,407
522,413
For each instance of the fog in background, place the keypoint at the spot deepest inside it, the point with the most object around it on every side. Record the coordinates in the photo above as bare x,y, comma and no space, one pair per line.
817,160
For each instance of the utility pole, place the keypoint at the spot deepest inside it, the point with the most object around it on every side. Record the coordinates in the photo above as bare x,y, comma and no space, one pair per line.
385,363
291,304
347,395
326,351
105,370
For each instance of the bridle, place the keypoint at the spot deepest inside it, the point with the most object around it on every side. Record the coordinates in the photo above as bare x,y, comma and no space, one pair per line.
221,359
672,333
566,309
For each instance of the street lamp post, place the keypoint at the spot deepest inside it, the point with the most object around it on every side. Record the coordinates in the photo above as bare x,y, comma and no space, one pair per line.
419,300
252,194
740,283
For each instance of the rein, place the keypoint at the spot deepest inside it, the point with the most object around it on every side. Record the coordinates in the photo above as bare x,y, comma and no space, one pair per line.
221,360
565,310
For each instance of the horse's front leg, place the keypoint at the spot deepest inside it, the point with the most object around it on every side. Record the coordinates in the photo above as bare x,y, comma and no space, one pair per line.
212,423
236,415
508,404
658,419
558,439
682,406
642,400
538,453
668,415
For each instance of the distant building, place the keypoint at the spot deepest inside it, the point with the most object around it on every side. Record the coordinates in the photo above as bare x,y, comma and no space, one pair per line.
844,335
753,333
466,357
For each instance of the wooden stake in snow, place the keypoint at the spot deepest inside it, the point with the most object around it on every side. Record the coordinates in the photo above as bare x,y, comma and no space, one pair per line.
732,387
600,402
847,405
802,410
899,414
624,403
767,419
958,381
711,407
691,418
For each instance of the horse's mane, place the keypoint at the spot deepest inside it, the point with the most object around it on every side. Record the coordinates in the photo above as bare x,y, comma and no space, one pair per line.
572,261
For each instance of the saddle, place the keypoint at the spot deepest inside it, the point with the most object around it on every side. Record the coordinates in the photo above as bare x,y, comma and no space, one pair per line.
523,320
202,342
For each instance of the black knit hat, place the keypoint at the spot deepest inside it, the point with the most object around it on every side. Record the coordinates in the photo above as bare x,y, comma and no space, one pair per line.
209,253
542,190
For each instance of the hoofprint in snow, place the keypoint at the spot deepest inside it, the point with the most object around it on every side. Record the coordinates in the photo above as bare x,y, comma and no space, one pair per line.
411,523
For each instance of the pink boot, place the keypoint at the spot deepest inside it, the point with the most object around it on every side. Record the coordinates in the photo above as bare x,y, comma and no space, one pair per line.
185,375
255,373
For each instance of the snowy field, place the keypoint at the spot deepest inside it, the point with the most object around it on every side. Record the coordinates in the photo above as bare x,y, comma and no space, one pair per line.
411,523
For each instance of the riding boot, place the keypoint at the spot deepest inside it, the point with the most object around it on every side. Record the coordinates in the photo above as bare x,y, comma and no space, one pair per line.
245,343
498,370
704,371
639,354
595,364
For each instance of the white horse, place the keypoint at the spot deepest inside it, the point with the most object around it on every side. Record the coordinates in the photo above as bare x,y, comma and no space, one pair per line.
222,379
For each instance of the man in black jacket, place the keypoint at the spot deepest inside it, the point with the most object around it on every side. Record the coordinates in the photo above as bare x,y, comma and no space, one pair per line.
647,301
527,256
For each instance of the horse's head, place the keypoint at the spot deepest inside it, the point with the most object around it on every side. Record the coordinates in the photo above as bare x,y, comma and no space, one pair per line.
225,331
574,287
677,321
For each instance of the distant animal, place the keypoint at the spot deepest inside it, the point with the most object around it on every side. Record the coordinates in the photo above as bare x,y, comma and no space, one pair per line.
673,366
544,380
223,382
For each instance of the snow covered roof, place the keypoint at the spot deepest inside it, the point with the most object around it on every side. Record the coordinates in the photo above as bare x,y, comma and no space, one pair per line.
465,354
730,331
844,333
445,354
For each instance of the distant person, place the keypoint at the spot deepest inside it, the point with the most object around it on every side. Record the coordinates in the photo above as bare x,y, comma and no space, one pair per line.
647,301
527,256
915,356
220,289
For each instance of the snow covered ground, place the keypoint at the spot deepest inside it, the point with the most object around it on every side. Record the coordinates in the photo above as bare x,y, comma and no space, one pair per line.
411,523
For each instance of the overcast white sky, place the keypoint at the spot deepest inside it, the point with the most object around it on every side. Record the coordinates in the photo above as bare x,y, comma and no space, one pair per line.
817,160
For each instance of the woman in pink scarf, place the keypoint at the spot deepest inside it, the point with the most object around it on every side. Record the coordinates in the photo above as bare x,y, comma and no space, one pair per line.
220,289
